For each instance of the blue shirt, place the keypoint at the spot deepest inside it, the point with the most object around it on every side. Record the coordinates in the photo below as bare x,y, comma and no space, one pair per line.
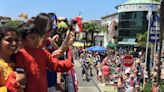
51,78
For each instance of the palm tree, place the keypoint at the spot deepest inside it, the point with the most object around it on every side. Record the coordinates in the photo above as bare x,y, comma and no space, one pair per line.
92,27
161,36
141,39
161,10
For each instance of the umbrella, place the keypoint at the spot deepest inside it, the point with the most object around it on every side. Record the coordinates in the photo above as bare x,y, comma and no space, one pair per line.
96,48
111,45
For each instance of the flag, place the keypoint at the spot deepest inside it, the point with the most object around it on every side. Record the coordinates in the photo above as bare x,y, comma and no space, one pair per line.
78,27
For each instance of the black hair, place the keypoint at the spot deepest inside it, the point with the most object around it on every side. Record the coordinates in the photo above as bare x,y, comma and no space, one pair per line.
44,22
4,30
29,29
3,33
51,14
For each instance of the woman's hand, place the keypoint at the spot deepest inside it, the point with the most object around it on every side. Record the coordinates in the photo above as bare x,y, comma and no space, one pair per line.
21,78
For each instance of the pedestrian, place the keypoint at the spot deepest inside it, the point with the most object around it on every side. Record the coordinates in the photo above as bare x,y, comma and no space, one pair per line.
99,72
120,85
34,60
10,80
105,73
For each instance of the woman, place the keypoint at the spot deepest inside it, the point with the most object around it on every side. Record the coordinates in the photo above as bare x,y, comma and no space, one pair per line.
120,84
9,80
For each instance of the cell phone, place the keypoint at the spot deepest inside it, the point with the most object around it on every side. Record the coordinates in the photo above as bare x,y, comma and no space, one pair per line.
20,70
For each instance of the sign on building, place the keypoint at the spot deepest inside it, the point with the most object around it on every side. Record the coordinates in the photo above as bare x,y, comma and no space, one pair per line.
154,30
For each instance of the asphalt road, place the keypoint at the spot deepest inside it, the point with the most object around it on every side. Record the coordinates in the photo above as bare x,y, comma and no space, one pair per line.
86,86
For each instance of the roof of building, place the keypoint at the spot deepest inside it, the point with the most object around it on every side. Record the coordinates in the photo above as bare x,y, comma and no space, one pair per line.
141,2
137,2
5,17
110,15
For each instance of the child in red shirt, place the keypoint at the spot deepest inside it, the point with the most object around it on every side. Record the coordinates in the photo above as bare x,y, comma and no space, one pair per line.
35,60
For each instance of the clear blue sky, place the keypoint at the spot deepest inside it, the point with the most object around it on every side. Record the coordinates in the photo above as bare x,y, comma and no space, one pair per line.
90,9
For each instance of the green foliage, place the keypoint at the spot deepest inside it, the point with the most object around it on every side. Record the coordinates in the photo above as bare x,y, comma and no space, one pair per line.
13,23
156,0
148,87
141,38
94,26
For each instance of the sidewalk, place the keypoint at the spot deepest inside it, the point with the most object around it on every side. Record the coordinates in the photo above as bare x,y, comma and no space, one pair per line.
107,88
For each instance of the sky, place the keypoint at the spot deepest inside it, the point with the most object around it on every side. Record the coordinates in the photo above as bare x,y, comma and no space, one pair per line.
88,9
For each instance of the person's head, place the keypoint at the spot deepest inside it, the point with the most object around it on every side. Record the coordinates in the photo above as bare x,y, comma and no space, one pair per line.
54,23
128,75
44,23
53,17
31,36
9,41
155,84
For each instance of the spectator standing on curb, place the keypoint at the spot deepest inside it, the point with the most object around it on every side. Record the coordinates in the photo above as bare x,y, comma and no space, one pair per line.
105,73
35,60
9,79
120,84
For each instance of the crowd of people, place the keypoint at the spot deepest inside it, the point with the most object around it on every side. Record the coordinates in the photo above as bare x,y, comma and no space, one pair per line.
111,70
33,55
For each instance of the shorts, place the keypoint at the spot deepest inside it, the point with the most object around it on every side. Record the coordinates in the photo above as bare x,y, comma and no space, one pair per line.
52,89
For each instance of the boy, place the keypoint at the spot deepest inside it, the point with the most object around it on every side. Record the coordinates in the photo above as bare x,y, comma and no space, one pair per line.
34,60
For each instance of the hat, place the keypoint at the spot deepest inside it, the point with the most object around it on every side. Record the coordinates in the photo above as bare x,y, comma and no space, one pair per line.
137,60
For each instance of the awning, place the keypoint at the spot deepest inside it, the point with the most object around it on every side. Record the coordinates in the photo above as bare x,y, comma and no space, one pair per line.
111,45
128,41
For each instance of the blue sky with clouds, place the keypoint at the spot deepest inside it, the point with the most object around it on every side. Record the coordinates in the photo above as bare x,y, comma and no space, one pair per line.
90,9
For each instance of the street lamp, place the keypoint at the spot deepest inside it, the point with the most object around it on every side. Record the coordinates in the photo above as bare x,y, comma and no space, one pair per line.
149,18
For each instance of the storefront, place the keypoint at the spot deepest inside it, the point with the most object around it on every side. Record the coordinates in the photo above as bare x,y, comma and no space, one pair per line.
132,19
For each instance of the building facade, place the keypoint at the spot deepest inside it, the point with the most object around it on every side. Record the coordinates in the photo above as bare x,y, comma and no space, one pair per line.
132,19
111,22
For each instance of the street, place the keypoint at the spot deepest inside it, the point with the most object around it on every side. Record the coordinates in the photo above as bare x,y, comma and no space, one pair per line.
86,86
92,85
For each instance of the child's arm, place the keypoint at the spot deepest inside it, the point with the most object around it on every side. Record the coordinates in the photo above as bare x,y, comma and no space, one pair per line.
59,65
65,45
55,46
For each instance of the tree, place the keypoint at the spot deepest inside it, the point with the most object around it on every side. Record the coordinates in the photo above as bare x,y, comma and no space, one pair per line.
160,38
141,39
161,10
94,26
13,23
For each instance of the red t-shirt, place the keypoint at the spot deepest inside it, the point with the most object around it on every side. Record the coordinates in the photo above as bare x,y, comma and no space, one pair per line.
35,62
105,70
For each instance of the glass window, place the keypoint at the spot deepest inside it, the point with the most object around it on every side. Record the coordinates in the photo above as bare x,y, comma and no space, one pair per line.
133,19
